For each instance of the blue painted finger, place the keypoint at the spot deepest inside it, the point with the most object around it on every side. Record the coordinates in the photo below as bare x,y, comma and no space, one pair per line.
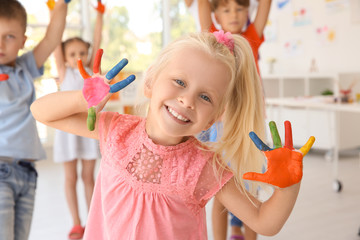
115,70
120,85
258,143
67,1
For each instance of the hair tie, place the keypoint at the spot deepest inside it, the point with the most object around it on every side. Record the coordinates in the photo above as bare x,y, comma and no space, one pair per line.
226,39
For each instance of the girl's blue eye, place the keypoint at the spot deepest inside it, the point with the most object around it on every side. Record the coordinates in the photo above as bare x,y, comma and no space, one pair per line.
181,83
206,98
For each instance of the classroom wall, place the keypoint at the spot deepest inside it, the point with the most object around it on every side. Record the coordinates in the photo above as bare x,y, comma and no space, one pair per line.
301,30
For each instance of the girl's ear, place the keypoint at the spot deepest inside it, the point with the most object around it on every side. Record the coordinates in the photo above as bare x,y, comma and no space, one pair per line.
147,87
148,84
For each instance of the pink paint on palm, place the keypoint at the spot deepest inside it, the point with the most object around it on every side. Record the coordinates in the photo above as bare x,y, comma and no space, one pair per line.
95,90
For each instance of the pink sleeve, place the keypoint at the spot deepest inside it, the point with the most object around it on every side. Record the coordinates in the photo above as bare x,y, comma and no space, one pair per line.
210,182
105,125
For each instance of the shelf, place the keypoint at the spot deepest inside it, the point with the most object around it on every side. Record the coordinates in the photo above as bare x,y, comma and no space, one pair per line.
296,85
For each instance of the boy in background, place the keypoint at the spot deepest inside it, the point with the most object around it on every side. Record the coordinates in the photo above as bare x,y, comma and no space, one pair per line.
20,145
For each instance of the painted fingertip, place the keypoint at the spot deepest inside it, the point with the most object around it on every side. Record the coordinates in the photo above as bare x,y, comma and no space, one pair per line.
258,143
122,84
97,60
275,135
82,70
116,69
288,135
91,119
306,148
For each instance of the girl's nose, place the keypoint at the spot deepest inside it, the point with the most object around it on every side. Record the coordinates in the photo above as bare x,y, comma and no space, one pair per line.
187,101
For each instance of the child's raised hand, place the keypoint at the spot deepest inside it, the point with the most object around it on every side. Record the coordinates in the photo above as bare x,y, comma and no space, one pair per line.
97,90
51,3
100,7
284,164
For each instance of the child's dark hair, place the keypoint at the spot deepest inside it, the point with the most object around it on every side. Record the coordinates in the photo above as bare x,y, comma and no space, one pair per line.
216,3
14,10
70,40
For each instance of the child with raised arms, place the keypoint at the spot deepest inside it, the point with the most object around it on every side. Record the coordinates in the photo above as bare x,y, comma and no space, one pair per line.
69,148
155,176
20,145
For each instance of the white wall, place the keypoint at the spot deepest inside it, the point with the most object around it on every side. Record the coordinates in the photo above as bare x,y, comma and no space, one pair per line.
338,54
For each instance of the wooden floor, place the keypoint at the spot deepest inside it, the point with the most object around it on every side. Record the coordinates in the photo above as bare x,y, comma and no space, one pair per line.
319,214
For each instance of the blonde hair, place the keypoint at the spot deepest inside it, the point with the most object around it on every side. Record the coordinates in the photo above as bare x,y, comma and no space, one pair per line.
242,104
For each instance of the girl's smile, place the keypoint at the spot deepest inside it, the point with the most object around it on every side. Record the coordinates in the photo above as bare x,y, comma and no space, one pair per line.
177,116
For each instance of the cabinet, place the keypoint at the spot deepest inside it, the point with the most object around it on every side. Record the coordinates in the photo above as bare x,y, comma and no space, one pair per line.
295,99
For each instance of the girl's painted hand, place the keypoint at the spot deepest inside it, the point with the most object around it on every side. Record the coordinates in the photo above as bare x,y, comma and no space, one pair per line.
100,7
97,90
284,164
51,3
4,77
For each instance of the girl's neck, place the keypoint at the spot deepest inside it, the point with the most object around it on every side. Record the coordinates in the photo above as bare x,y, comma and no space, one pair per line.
161,139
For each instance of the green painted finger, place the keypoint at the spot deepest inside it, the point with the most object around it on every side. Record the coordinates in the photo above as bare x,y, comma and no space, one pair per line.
275,135
91,119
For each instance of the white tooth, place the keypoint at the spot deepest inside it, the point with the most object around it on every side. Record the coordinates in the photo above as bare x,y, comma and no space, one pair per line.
175,114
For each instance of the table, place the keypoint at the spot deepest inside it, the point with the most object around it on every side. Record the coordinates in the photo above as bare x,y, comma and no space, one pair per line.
323,103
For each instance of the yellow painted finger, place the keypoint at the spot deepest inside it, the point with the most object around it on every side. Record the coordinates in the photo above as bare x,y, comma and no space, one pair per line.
306,148
50,4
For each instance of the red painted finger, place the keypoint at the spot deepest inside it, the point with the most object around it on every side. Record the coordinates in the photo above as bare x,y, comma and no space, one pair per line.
288,136
82,70
97,61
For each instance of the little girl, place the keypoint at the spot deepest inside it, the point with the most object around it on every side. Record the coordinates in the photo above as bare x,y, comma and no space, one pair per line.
68,148
155,176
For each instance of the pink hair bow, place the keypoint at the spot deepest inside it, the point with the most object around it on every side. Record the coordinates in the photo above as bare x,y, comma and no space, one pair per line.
225,38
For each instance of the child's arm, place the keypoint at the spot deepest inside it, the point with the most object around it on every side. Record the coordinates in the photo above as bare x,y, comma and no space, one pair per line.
262,16
284,171
97,32
53,33
66,111
188,3
204,15
60,63
266,219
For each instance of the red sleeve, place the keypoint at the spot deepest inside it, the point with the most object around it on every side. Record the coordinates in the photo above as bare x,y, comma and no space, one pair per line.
213,28
255,41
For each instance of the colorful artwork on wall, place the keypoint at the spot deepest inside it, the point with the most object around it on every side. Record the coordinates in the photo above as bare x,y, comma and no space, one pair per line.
325,35
335,6
293,47
301,17
282,3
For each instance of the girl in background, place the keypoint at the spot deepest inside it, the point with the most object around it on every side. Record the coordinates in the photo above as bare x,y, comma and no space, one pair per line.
69,148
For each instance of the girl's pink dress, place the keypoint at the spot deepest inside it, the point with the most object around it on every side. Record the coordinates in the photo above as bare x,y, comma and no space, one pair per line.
149,191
